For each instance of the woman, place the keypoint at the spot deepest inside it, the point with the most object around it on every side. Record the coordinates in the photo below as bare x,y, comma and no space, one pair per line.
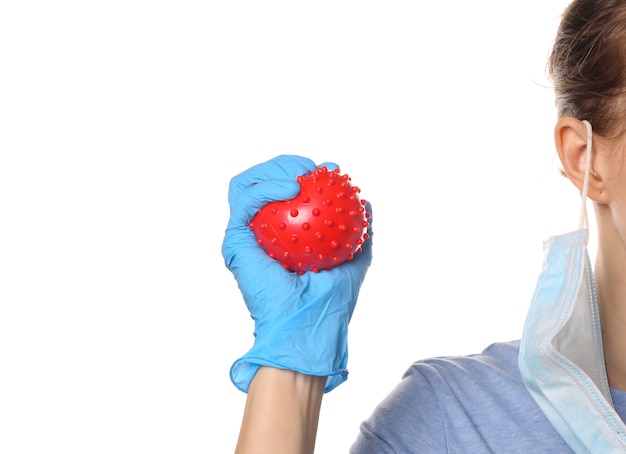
561,388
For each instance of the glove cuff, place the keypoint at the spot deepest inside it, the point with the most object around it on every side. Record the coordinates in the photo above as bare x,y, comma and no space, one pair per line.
320,359
244,369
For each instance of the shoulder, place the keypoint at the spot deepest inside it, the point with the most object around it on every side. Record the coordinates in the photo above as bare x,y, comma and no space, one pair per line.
497,362
451,402
496,355
481,383
435,393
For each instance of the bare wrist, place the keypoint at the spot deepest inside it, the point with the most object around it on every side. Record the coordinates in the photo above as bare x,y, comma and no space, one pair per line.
282,412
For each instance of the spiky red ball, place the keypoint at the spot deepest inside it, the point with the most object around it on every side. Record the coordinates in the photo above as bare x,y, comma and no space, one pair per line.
322,227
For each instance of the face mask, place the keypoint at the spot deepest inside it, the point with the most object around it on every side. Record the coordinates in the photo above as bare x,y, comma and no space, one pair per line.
561,357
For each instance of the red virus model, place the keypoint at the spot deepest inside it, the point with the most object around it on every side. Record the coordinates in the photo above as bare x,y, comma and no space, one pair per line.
322,227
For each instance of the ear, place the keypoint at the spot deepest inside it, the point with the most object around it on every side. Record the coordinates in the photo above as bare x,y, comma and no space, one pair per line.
570,136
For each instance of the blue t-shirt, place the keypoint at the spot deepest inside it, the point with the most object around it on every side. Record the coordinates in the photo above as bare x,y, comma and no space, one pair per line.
464,404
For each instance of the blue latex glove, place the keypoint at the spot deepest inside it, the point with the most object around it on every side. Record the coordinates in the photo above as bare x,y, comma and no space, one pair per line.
301,321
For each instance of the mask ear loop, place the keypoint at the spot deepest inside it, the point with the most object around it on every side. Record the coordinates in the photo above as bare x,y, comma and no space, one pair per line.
583,223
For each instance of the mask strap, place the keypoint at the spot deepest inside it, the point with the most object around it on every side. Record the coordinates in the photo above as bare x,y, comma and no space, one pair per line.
583,223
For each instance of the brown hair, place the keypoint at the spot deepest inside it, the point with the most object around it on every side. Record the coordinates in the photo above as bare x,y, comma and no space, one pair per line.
588,64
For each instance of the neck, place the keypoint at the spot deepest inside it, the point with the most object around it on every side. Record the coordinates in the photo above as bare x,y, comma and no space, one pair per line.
611,286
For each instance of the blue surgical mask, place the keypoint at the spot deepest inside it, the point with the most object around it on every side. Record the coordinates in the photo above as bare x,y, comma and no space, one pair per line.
561,356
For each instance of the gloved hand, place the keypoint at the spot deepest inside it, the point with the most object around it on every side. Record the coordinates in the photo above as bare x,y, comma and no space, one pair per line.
301,321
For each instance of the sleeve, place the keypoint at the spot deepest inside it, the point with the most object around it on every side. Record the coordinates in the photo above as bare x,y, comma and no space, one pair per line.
409,419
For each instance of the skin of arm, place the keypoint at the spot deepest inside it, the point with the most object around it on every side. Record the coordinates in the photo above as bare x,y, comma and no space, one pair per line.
281,413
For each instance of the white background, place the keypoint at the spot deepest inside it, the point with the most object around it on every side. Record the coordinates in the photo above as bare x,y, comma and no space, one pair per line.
121,124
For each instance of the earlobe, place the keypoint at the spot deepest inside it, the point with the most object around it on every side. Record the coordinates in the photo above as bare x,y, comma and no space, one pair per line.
570,136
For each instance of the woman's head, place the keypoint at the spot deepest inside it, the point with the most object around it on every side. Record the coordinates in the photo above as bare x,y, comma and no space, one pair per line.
588,64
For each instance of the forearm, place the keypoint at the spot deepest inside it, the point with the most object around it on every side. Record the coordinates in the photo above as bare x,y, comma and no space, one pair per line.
282,412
